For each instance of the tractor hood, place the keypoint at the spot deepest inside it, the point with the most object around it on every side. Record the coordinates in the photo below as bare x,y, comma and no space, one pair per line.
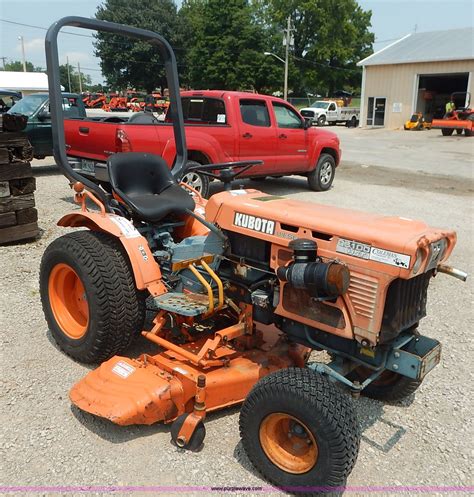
390,242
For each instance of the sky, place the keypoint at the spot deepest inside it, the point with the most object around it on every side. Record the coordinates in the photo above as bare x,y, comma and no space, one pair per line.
391,19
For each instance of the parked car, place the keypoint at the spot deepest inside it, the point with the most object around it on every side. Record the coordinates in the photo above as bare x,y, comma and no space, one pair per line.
330,112
8,98
221,126
36,107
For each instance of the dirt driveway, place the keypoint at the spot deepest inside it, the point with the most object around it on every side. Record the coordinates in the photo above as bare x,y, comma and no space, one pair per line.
424,441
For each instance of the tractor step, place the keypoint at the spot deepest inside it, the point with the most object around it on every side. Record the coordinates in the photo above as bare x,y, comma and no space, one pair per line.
185,304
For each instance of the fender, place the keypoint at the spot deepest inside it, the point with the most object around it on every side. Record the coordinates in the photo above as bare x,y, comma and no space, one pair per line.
146,271
324,142
200,142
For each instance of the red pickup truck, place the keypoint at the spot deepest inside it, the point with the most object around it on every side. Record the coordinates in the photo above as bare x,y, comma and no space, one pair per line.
221,126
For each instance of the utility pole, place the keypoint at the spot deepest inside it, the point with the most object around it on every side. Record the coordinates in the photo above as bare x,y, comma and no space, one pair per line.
3,60
23,52
68,74
288,41
80,77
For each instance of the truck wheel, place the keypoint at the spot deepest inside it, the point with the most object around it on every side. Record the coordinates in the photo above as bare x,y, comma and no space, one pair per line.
459,131
447,131
321,121
322,176
352,123
196,180
389,386
89,297
299,430
468,132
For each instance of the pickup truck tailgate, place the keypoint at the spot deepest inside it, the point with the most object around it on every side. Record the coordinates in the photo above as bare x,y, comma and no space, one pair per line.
90,139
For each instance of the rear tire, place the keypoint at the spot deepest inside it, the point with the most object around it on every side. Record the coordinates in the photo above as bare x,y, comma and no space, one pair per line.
468,132
447,131
352,123
299,430
198,181
322,176
459,131
107,310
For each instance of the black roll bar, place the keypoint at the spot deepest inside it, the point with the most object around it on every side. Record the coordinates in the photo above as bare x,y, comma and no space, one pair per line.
55,96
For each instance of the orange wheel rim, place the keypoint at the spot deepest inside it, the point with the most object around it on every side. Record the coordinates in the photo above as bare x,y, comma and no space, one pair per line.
68,300
288,443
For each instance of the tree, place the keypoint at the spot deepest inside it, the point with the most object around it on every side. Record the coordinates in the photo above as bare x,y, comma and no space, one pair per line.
134,63
227,45
17,65
330,37
74,78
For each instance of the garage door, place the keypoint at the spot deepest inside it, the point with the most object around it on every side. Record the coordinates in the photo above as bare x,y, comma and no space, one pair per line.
434,91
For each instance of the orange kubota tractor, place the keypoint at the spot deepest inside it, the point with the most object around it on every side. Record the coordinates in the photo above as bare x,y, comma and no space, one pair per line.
462,118
241,288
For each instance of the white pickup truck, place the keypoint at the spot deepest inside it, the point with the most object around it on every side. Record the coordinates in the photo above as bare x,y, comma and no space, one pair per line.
328,111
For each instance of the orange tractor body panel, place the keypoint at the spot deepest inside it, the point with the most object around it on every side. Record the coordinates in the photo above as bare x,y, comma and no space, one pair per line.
384,248
146,271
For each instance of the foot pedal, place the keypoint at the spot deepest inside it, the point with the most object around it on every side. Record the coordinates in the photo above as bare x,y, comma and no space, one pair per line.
185,304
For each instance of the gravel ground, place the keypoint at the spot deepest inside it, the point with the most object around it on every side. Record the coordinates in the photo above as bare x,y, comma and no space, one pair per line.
426,440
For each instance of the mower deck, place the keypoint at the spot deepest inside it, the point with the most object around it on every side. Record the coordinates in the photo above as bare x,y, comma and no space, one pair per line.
161,387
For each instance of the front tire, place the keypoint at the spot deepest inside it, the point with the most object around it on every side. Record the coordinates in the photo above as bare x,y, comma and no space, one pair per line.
388,387
89,297
322,177
321,121
197,180
299,430
447,131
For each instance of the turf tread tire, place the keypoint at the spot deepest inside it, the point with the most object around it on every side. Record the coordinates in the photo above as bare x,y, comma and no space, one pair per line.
398,391
298,392
116,306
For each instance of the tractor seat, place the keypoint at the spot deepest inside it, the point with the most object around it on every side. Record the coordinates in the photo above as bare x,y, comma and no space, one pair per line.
145,183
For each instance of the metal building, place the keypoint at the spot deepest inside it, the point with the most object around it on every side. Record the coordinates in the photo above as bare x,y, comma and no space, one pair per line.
417,73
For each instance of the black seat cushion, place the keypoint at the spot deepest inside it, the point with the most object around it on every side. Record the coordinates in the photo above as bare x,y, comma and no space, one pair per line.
145,183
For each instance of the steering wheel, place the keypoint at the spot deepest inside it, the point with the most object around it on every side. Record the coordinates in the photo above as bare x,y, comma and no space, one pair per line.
228,171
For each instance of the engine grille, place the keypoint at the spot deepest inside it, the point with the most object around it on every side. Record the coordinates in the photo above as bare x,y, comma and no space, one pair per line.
307,113
363,294
405,305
